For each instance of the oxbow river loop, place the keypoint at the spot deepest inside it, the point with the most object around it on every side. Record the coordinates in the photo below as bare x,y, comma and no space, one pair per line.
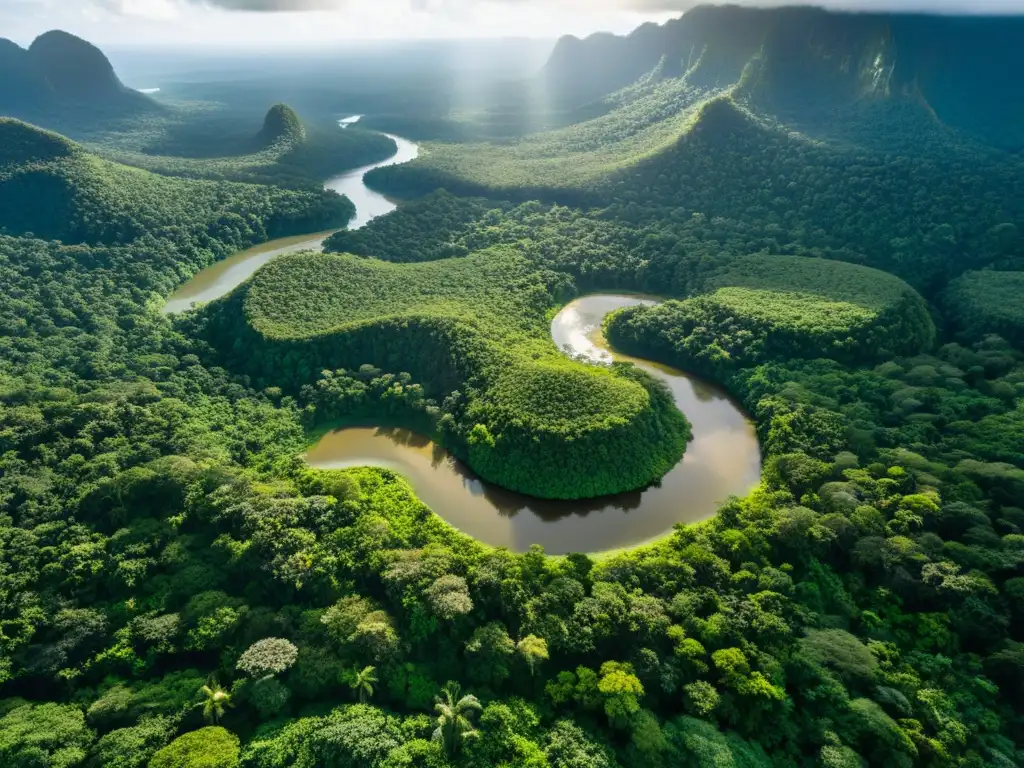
724,459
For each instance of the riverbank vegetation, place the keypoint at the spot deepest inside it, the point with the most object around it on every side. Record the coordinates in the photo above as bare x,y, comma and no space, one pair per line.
52,187
474,330
433,227
778,308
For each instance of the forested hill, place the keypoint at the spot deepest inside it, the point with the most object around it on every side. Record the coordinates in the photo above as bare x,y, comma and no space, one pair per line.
51,187
963,69
281,124
61,70
886,140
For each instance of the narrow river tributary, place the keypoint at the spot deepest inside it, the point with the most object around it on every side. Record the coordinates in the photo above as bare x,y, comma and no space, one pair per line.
224,276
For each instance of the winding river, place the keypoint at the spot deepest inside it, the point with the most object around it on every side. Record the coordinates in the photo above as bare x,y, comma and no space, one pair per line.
723,458
224,276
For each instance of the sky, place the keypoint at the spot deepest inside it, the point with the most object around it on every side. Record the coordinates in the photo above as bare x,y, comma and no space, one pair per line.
285,23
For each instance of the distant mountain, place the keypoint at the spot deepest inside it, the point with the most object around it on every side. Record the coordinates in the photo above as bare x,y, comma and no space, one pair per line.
59,71
74,68
963,70
282,124
20,82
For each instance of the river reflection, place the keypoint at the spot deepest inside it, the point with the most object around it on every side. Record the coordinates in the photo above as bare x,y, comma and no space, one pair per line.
722,460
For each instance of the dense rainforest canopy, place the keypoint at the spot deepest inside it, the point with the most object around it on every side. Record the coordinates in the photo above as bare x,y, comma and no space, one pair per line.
475,331
476,328
177,587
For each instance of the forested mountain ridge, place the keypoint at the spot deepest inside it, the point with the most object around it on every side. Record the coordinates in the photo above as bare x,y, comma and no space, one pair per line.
853,83
61,70
961,69
881,140
52,188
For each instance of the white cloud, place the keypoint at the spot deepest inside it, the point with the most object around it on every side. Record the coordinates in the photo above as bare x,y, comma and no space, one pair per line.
274,6
277,23
145,9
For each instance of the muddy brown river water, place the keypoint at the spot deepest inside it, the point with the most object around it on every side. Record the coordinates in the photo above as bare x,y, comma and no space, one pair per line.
723,459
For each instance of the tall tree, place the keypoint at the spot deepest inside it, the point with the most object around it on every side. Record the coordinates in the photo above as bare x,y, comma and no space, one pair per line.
216,701
455,715
362,682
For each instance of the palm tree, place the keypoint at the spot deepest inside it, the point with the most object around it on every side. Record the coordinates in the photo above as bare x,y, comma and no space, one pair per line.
455,718
215,701
362,683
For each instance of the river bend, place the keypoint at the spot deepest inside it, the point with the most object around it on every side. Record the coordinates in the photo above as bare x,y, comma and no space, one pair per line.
224,276
722,460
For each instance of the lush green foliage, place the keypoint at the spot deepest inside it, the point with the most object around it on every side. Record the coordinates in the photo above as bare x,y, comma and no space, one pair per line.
922,205
988,302
474,330
721,622
205,748
647,118
434,227
476,326
165,554
54,189
132,747
782,307
43,734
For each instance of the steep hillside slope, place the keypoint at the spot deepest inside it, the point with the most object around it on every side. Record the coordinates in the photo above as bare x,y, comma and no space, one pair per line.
58,72
53,188
962,70
281,124
569,164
